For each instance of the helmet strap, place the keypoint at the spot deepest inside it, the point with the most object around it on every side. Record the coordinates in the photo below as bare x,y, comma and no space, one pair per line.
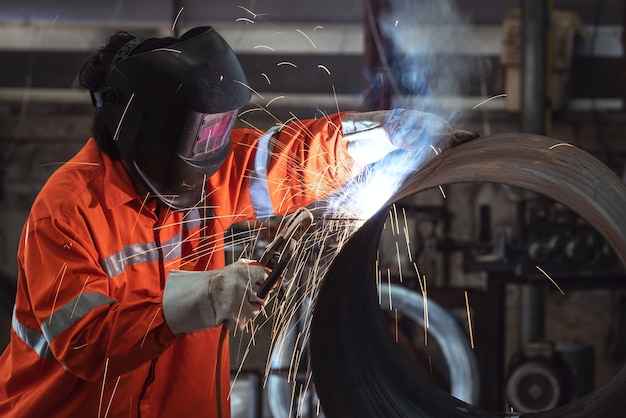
121,54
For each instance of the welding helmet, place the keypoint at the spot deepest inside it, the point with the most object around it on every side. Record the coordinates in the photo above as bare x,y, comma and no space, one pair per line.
171,111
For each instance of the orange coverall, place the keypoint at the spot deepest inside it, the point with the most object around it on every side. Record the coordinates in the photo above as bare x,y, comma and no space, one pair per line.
89,338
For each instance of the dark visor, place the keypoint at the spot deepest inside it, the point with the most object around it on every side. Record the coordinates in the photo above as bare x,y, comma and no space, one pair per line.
205,133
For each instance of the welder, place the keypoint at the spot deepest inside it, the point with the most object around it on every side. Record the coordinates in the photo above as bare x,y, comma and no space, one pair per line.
124,302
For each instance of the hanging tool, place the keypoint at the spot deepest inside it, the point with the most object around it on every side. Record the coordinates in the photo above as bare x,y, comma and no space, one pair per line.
280,251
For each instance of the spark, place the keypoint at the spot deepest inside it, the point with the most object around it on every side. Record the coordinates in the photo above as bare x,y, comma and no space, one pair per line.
119,125
245,355
178,245
78,298
563,144
249,88
176,18
336,100
80,346
243,301
104,377
264,109
427,321
139,213
266,78
318,27
469,320
389,285
307,384
323,67
112,394
244,19
176,51
292,370
250,110
550,278
208,247
182,222
254,15
274,99
435,150
442,192
306,36
149,327
297,122
489,99
54,21
286,311
422,284
395,220
251,329
264,47
418,274
407,236
293,394
399,261
62,275
330,236
287,63
241,341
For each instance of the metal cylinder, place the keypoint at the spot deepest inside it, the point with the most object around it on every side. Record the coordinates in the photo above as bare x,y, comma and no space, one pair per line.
357,367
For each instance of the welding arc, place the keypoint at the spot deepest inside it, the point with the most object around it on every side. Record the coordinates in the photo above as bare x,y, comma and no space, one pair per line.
360,371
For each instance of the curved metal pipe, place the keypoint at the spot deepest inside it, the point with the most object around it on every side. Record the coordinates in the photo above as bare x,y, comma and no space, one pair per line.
457,355
358,369
459,358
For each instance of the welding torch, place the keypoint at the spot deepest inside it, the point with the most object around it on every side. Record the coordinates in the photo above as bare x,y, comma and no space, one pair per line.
280,251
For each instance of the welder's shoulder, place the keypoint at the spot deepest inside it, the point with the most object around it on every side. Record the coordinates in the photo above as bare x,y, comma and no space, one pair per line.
77,183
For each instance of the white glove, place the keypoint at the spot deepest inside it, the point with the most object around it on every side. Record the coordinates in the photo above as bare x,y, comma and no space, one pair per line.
373,135
197,300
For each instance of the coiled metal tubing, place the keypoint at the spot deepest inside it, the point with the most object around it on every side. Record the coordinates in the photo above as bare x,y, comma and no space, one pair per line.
358,369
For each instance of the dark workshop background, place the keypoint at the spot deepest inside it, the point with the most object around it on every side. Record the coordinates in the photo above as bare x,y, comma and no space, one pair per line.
464,238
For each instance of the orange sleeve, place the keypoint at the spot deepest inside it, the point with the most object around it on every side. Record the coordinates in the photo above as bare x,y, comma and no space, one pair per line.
307,160
72,304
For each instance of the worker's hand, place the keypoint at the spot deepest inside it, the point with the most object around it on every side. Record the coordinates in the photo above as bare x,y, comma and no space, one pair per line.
193,300
411,130
232,291
372,135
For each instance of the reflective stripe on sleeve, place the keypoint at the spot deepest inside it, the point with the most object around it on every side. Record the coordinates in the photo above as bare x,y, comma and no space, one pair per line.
72,312
172,249
143,253
148,251
58,322
130,254
192,219
259,189
32,338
